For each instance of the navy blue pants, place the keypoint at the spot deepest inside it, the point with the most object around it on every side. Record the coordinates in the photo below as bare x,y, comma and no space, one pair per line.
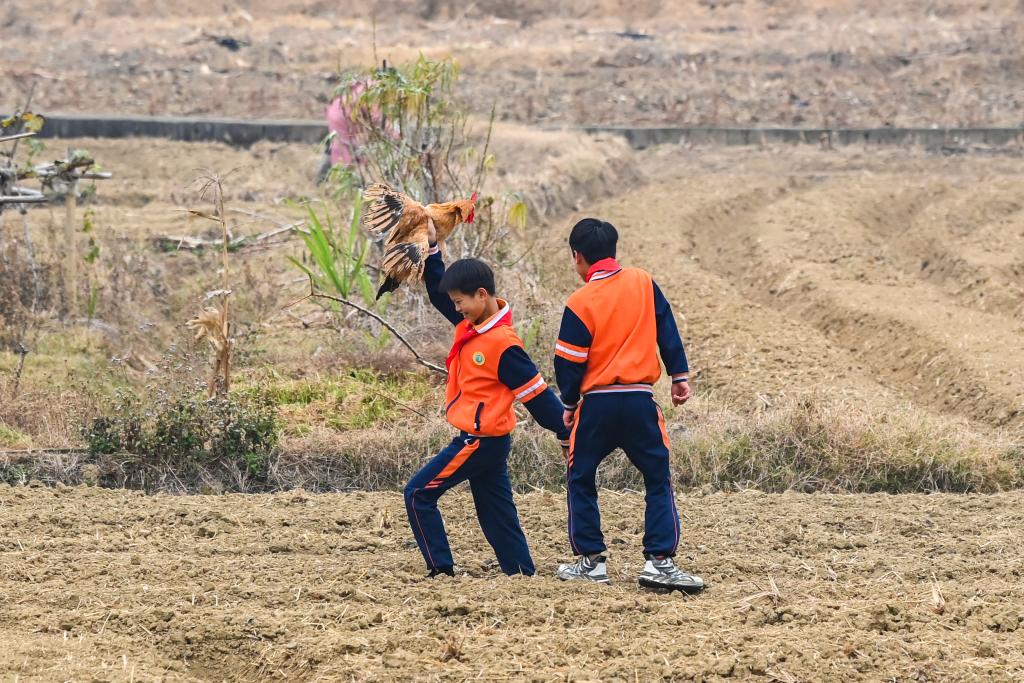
633,422
484,462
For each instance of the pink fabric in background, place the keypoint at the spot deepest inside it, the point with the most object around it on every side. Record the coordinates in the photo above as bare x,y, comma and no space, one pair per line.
347,128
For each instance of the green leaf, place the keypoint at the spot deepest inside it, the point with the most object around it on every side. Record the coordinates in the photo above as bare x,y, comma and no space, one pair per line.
368,291
518,213
317,280
33,122
87,224
93,254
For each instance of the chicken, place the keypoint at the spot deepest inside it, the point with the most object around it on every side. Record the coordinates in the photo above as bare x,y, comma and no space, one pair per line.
404,224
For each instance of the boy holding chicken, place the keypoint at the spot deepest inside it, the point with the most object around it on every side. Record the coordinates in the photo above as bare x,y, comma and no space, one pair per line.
606,364
488,370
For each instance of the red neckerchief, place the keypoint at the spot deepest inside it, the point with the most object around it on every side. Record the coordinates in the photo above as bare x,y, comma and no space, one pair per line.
504,317
604,265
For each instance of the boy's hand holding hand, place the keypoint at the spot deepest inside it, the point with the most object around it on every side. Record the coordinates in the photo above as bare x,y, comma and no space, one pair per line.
681,393
568,418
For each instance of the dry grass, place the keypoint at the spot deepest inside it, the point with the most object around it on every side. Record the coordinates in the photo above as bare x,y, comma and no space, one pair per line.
41,416
821,444
560,171
708,63
358,416
365,431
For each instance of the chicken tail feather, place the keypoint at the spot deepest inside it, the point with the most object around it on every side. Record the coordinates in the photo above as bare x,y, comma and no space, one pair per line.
403,263
389,285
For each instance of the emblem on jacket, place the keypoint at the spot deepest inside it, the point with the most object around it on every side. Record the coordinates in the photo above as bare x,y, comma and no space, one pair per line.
478,358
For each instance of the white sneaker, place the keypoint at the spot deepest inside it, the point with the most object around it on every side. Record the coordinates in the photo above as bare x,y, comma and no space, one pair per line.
661,573
588,568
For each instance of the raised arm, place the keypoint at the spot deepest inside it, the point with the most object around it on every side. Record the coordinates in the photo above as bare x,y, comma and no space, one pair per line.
433,271
517,372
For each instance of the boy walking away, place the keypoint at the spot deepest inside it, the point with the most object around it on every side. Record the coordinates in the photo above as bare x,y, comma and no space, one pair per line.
488,370
606,364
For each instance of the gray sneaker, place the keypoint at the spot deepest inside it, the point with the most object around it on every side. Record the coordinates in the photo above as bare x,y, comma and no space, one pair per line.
588,568
663,574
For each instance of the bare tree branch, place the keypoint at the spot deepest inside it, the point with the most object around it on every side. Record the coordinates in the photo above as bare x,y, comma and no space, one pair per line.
17,136
313,294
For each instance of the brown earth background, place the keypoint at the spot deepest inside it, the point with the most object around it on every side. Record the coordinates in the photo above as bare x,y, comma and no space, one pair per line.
885,282
706,62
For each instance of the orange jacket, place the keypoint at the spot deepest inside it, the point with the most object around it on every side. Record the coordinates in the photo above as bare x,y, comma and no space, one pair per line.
476,400
611,331
490,371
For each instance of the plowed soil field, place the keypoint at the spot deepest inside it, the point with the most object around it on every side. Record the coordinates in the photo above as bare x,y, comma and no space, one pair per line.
112,585
552,62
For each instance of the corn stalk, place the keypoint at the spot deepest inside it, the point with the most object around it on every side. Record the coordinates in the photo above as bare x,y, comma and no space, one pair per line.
213,323
338,256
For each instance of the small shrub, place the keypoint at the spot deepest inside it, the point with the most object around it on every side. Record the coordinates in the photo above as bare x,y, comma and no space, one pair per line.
338,257
244,430
187,436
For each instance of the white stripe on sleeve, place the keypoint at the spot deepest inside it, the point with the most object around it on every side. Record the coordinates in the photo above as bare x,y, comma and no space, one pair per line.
533,387
578,354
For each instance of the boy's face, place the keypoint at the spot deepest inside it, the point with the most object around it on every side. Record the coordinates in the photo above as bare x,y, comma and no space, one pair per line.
472,306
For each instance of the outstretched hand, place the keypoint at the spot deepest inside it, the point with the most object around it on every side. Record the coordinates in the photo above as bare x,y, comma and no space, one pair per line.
431,231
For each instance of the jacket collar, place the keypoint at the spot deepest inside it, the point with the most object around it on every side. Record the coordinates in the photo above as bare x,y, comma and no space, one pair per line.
503,310
604,268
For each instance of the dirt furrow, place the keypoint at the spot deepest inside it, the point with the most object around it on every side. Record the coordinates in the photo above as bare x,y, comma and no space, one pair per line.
843,255
741,348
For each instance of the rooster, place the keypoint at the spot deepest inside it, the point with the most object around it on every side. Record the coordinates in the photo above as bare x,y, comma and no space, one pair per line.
404,224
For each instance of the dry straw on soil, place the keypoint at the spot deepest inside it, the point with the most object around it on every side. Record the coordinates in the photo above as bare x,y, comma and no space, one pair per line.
801,587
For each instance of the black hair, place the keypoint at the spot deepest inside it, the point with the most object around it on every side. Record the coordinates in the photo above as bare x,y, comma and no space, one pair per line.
467,276
594,239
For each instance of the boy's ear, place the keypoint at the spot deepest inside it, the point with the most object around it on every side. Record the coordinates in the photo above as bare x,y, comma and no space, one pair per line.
482,293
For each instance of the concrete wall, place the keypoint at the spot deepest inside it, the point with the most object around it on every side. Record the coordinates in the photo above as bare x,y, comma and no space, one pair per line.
240,133
245,133
641,138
